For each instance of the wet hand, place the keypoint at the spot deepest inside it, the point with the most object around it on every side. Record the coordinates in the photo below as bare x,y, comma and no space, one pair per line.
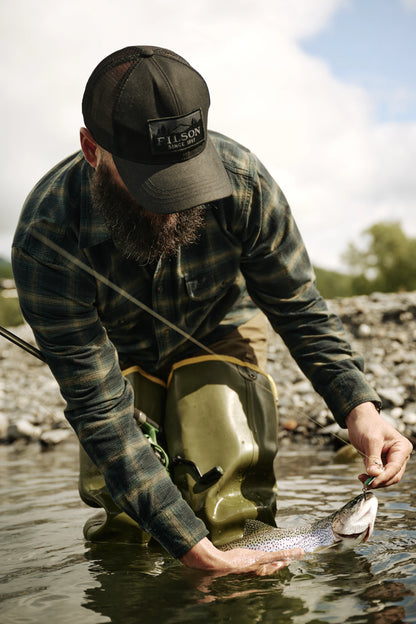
205,556
385,451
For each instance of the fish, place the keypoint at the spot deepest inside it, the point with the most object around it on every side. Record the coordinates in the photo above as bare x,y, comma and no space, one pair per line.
350,525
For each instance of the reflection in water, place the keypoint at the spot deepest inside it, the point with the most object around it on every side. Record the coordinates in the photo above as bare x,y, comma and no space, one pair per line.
379,595
181,595
48,573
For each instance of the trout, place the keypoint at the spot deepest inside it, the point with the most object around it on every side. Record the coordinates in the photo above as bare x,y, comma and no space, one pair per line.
345,528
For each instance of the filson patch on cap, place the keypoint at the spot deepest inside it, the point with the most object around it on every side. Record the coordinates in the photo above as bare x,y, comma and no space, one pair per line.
176,134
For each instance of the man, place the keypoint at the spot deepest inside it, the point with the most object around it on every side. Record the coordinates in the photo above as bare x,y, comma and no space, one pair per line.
153,251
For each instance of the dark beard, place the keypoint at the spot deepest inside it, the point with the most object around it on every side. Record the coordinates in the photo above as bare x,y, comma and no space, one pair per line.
139,234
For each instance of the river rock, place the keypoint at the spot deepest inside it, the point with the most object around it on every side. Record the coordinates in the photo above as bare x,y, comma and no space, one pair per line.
22,428
54,436
392,397
4,426
364,331
382,327
409,416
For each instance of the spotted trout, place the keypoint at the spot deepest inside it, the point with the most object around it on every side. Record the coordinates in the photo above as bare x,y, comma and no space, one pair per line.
350,525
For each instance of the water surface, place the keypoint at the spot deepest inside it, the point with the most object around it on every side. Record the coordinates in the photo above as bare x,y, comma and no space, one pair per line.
49,574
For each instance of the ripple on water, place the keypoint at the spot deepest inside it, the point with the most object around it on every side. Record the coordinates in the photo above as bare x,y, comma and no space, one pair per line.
48,573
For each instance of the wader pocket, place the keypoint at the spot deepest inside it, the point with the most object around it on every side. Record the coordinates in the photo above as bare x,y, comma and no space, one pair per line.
223,412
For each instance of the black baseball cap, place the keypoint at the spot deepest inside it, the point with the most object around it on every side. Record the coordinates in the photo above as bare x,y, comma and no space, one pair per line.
148,107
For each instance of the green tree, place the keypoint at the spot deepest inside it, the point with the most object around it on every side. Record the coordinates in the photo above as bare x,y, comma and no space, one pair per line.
333,284
5,269
387,264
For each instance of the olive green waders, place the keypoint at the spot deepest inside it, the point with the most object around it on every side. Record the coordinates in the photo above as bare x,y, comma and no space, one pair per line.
216,412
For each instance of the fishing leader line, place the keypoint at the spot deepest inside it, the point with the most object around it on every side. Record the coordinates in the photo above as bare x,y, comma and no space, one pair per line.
121,291
104,280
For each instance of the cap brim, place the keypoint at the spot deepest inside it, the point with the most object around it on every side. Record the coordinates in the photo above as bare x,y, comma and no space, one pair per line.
179,186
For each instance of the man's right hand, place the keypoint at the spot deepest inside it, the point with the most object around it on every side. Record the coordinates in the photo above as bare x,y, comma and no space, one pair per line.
205,556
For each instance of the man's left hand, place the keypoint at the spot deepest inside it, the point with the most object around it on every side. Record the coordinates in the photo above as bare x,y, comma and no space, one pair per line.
385,451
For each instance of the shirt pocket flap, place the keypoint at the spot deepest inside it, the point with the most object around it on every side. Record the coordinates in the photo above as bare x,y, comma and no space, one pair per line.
205,286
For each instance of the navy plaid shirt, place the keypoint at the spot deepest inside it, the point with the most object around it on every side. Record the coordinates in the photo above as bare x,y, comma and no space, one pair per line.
250,255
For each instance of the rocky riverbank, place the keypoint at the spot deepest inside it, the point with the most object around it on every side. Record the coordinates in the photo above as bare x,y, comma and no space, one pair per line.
381,326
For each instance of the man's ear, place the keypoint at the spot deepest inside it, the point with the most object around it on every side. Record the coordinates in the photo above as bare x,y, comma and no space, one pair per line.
89,147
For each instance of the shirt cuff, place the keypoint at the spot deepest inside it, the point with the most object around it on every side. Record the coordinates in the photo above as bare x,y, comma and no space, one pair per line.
346,392
177,529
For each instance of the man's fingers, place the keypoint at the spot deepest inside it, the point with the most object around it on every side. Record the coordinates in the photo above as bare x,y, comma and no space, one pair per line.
205,556
386,478
260,557
373,465
245,560
271,568
282,555
394,468
379,443
270,563
388,465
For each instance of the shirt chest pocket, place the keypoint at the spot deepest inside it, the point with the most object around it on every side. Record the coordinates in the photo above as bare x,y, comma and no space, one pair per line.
209,297
206,287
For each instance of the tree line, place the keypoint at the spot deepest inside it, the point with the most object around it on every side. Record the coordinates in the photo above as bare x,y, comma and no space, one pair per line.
386,263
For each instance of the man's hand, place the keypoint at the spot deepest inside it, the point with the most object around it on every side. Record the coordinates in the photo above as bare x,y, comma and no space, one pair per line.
205,556
385,451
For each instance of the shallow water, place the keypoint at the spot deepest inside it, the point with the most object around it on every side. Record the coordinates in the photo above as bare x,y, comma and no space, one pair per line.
49,574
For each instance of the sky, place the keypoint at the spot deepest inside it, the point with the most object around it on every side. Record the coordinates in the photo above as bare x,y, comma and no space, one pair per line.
322,91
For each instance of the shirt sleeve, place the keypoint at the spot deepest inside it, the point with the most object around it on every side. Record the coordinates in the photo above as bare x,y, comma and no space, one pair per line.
281,281
57,300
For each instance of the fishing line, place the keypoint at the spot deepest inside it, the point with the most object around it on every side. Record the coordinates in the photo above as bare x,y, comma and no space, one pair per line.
121,291
104,280
338,437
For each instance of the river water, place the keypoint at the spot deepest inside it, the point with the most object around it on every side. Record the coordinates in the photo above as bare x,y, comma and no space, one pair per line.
49,574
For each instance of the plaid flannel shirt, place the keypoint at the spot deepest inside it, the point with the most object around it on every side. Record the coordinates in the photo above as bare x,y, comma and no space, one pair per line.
250,254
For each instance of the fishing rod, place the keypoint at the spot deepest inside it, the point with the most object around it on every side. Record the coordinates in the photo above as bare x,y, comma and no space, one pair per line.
26,346
150,426
71,258
151,429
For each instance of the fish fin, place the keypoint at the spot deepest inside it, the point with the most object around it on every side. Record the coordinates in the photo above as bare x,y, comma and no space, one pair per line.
253,526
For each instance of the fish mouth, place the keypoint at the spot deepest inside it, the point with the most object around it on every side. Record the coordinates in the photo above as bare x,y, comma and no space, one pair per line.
354,523
357,538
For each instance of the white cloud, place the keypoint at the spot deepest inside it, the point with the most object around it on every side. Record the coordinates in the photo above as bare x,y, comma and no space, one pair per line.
340,170
409,4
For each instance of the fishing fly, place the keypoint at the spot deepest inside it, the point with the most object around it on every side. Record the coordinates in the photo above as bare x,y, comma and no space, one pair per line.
367,484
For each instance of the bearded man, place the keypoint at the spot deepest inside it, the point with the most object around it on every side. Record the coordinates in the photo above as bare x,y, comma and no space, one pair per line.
147,265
